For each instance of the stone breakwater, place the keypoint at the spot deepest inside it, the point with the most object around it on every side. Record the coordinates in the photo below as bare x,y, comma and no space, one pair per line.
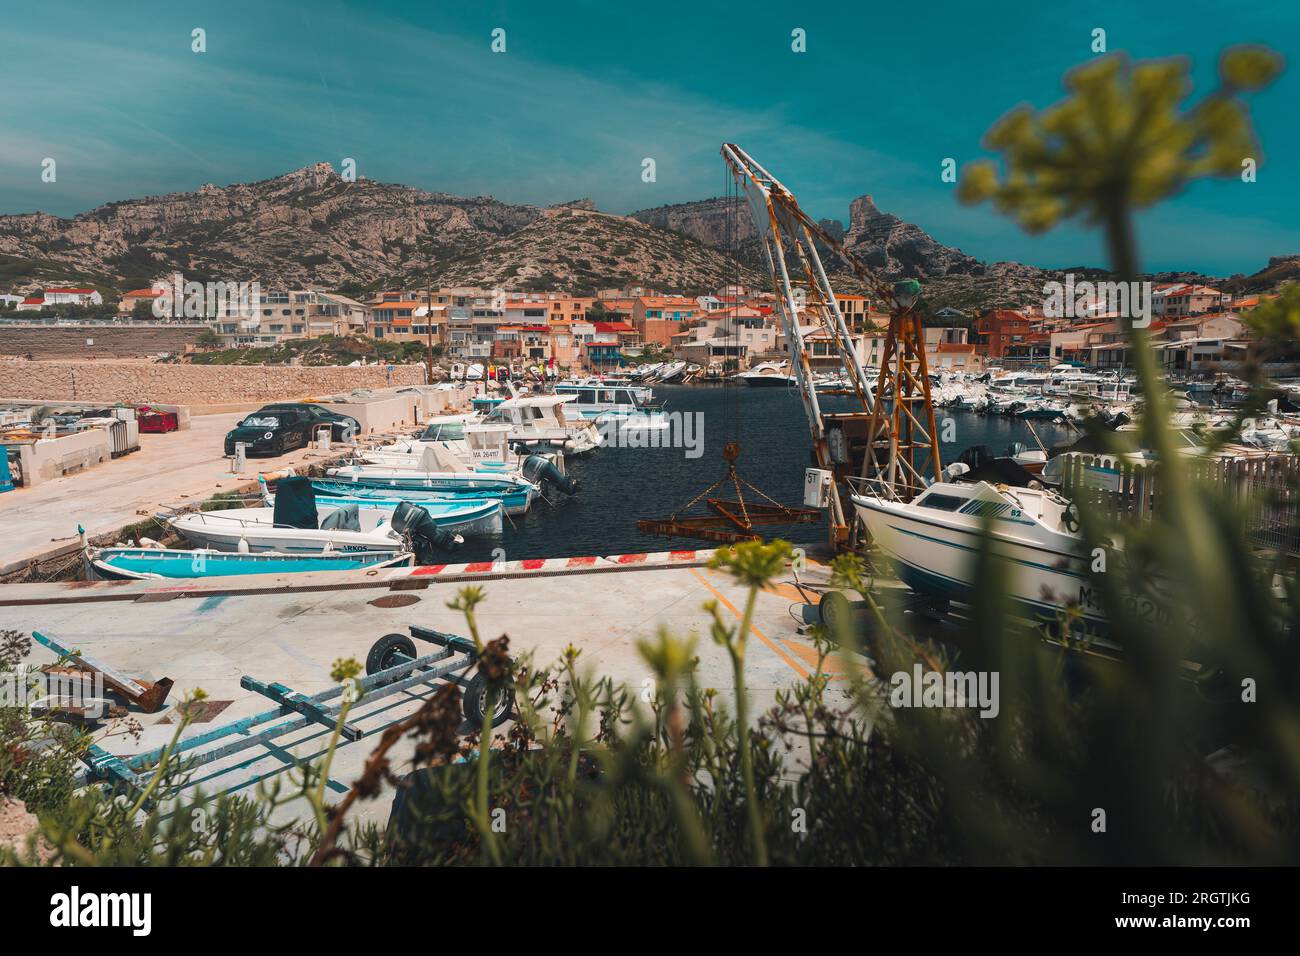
137,382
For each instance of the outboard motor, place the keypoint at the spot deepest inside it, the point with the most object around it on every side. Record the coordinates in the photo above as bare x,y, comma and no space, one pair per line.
538,469
295,504
427,539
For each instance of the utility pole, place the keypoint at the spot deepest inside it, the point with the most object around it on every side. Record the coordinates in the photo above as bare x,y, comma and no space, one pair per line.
428,329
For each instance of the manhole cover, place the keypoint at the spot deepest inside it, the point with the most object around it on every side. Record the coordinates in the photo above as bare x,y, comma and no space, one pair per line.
396,600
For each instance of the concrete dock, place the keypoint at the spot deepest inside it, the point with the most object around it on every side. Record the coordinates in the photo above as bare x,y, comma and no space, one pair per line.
172,470
208,634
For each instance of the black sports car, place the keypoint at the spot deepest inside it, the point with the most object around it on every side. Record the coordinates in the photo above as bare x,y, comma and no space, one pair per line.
271,432
342,427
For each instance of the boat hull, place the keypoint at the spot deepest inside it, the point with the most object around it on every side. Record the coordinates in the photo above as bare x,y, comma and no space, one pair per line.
515,499
470,519
134,564
767,381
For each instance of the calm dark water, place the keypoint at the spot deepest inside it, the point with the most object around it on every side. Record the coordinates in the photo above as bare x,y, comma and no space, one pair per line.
622,485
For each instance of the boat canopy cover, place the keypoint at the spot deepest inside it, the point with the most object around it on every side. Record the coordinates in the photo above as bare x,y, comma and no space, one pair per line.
985,466
344,518
295,504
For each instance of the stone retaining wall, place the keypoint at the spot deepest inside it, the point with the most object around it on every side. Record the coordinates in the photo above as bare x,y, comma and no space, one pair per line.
190,384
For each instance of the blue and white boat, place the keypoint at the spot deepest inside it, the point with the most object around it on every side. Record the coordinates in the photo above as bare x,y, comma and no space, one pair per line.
501,485
470,517
513,502
136,563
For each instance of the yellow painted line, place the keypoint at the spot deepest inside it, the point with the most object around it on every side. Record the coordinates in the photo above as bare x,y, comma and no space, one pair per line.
776,649
832,666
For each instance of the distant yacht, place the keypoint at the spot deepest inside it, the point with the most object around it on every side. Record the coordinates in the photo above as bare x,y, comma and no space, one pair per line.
768,375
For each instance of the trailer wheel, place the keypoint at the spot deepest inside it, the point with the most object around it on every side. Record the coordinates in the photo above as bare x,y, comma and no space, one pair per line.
386,651
476,699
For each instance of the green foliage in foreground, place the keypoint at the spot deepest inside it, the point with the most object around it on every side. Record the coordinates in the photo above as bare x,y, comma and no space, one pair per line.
1185,771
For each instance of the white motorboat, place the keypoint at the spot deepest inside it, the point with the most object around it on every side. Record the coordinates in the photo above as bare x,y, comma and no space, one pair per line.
296,523
593,398
645,372
768,375
935,541
539,423
253,530
671,372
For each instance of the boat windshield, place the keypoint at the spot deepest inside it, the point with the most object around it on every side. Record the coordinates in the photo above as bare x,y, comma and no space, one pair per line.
941,502
446,431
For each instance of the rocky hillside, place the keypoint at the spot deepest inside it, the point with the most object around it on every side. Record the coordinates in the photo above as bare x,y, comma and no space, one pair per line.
891,246
313,227
577,248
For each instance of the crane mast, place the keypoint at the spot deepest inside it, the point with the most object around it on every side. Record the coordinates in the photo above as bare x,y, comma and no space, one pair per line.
884,441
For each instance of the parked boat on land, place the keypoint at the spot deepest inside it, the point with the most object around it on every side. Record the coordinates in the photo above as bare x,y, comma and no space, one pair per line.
297,524
672,372
935,541
138,563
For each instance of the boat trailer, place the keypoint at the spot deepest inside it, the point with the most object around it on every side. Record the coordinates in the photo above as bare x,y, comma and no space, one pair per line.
392,666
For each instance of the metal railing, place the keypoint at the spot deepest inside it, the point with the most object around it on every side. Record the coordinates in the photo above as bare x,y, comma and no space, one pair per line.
1266,486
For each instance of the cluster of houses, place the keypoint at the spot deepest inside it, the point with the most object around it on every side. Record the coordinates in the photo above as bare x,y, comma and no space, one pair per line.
731,328
1195,327
51,298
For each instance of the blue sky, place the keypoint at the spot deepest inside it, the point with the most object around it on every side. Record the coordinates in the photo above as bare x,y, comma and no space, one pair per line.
586,90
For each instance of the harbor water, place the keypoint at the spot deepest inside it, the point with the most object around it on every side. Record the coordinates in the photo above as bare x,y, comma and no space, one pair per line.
620,485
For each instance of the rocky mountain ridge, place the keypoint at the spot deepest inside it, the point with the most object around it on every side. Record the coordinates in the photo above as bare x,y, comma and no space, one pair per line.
314,227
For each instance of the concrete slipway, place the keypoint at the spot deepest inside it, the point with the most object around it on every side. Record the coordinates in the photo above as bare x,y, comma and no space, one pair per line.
290,630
